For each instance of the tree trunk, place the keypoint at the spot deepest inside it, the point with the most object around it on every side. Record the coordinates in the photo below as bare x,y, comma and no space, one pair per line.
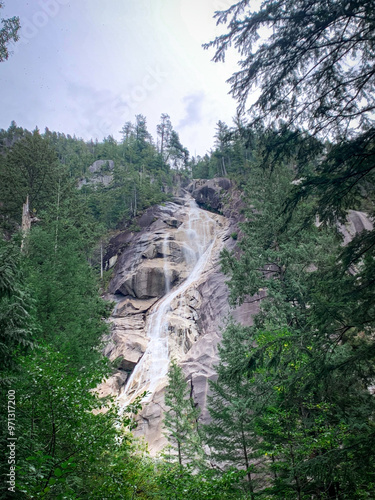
26,222
223,164
101,260
135,202
247,464
57,216
179,452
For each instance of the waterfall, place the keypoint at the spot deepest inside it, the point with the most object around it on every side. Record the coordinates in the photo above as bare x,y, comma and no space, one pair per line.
165,249
197,236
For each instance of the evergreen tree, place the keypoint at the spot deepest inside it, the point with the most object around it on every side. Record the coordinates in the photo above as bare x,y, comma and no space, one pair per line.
307,78
142,136
178,155
230,434
8,33
164,131
127,131
181,417
62,281
66,431
222,142
30,168
302,67
291,363
10,136
16,308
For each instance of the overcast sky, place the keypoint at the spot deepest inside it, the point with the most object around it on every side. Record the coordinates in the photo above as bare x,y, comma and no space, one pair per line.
85,67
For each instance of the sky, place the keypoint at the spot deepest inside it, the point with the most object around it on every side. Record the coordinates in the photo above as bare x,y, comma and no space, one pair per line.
86,67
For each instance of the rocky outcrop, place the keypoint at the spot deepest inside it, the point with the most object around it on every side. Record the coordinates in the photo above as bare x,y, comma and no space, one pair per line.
356,223
141,270
210,194
171,302
172,299
100,172
101,166
148,280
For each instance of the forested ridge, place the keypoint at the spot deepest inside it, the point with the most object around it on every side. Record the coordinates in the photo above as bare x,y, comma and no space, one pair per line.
292,408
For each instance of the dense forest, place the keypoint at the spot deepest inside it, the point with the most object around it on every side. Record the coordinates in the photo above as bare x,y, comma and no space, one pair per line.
292,409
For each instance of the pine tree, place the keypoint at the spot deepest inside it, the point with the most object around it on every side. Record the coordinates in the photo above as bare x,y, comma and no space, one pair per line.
164,130
222,142
306,77
231,433
30,168
181,417
142,136
17,321
308,355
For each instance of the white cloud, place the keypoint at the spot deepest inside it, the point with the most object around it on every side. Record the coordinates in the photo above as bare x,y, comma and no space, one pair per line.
93,66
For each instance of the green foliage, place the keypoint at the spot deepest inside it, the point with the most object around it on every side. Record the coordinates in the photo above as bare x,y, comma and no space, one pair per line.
177,482
127,472
343,180
58,162
306,74
181,419
71,443
63,282
139,177
305,68
30,168
299,376
66,433
16,308
315,71
75,154
8,33
230,407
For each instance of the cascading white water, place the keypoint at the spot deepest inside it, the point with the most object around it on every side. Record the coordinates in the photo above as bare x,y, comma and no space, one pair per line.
165,250
197,236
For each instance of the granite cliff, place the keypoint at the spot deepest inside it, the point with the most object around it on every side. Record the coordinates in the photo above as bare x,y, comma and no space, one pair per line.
171,299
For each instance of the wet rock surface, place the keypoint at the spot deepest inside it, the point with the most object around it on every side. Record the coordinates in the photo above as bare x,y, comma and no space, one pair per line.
170,266
172,298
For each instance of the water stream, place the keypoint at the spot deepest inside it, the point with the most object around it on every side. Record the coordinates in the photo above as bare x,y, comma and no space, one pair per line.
196,235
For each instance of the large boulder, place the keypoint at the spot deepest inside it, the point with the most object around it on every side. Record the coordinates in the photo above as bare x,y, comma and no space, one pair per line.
209,193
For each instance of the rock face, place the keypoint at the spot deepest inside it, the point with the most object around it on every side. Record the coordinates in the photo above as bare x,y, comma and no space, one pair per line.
101,165
355,224
171,300
209,193
101,173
